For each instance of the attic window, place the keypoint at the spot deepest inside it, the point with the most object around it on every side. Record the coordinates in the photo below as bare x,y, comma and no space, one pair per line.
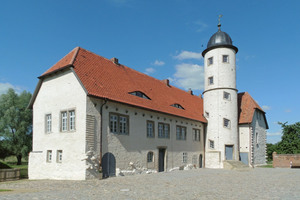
139,94
176,105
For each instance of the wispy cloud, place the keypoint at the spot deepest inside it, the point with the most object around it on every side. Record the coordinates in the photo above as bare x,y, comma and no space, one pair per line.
287,110
265,107
274,134
159,63
149,70
183,55
188,76
5,86
201,26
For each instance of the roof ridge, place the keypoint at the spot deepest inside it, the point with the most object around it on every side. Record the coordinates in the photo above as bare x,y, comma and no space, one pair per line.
75,55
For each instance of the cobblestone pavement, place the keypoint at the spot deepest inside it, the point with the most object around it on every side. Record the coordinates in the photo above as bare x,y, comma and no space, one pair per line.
259,183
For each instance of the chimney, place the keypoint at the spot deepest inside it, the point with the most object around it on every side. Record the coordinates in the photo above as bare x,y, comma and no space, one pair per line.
167,82
115,60
190,91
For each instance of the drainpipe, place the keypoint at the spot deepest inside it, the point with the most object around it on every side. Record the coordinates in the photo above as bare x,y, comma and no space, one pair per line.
101,125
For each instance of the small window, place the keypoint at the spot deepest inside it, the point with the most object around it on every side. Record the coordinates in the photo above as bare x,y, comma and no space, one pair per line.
49,156
196,134
139,94
48,123
64,121
180,133
119,124
225,59
256,138
211,144
59,156
150,157
226,123
67,121
177,106
163,130
207,114
210,61
150,129
210,80
226,96
184,157
72,120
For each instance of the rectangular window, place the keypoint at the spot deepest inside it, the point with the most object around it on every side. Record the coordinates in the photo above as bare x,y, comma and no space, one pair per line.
210,61
211,144
226,96
163,130
64,121
48,123
59,156
184,157
150,129
226,123
72,120
49,156
119,124
225,59
150,156
180,133
196,134
210,80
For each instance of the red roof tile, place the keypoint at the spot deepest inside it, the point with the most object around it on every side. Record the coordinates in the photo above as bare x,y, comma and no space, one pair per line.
247,106
104,79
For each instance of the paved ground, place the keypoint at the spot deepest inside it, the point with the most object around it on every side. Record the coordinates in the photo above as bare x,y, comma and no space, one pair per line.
259,183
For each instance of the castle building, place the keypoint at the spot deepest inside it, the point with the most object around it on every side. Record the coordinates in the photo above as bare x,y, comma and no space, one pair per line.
93,114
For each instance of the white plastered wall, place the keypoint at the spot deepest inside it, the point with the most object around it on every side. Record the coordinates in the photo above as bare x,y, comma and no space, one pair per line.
60,92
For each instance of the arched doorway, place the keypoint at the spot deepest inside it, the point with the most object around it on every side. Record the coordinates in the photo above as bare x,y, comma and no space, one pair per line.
108,165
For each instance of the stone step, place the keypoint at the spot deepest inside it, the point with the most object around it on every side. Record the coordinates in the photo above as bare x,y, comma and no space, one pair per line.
235,165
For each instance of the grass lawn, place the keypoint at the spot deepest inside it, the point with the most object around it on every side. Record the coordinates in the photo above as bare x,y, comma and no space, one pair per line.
5,190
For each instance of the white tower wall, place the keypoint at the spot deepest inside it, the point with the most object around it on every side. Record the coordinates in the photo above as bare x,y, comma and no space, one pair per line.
217,108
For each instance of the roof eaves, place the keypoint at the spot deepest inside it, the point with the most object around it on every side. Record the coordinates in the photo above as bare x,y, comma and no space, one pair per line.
55,71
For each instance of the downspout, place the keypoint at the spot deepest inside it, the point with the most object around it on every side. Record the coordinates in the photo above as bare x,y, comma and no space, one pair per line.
101,125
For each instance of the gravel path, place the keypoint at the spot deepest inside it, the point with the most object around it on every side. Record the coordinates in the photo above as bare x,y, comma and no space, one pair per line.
259,183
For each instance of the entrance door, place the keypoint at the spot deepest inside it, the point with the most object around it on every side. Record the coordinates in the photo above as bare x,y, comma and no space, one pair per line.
228,152
161,160
200,161
108,165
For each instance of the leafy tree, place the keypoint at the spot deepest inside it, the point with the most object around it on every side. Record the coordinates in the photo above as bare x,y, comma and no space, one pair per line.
16,123
290,140
270,149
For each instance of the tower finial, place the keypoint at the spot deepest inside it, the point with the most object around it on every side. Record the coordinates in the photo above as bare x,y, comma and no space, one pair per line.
219,25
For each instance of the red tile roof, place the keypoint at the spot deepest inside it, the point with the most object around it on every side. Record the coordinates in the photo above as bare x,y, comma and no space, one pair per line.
104,79
247,105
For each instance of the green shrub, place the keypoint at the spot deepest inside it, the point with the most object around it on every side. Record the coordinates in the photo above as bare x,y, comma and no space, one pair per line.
4,166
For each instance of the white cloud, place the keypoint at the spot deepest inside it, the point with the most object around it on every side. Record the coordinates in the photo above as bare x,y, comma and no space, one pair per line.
265,107
287,110
149,70
188,55
274,134
188,76
5,86
159,63
201,26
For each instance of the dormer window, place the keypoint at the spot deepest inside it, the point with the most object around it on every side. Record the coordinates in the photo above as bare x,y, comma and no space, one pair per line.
176,105
139,94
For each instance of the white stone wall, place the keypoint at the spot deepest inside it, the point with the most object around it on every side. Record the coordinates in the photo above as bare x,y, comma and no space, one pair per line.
58,93
219,108
135,146
245,134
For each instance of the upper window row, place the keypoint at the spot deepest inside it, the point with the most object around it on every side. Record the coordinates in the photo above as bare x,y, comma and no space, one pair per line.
67,121
225,59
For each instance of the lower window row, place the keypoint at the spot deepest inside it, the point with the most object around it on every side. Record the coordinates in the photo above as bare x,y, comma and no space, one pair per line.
58,156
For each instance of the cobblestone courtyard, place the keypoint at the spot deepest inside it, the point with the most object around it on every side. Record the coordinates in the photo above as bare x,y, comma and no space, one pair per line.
259,183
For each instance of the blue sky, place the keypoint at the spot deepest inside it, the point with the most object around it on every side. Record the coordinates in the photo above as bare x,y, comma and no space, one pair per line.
163,39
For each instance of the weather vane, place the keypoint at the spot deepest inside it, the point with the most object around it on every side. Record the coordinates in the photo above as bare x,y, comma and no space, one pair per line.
219,25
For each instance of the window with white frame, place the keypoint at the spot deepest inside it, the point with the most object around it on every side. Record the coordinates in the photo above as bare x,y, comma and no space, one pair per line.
68,119
180,133
225,59
196,134
150,156
226,95
59,156
119,124
210,80
48,123
49,156
184,157
210,61
226,123
150,129
163,130
211,144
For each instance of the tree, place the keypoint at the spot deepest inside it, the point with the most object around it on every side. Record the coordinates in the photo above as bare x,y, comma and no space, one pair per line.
16,123
270,149
290,140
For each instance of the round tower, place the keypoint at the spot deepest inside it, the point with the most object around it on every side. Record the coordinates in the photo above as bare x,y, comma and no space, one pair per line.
220,100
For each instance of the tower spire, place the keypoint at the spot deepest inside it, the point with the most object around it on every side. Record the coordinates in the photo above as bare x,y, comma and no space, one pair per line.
219,25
